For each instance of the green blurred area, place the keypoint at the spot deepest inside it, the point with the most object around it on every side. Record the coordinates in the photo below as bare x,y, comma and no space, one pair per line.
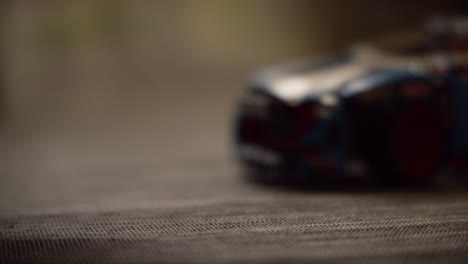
90,62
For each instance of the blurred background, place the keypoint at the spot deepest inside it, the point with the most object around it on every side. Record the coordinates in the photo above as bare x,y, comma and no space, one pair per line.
128,84
88,62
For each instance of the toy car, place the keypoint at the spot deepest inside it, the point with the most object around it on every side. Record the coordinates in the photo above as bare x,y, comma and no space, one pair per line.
365,114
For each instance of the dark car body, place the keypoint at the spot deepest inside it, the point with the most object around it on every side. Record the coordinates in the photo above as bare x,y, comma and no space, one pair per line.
363,114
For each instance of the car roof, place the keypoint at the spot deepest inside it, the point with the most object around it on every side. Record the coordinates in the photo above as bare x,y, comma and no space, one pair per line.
378,78
293,85
360,70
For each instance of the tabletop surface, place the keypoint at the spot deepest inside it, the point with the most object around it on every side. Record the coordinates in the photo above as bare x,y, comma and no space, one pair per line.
146,192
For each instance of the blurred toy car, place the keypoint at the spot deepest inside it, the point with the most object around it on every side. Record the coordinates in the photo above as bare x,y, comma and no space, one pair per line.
363,114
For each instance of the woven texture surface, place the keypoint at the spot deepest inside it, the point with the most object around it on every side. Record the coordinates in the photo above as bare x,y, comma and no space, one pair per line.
205,211
299,228
171,192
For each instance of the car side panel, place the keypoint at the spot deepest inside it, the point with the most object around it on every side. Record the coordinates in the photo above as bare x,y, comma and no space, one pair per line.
460,133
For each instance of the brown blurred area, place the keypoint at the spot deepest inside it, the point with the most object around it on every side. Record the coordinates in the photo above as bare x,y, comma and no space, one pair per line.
90,62
162,75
